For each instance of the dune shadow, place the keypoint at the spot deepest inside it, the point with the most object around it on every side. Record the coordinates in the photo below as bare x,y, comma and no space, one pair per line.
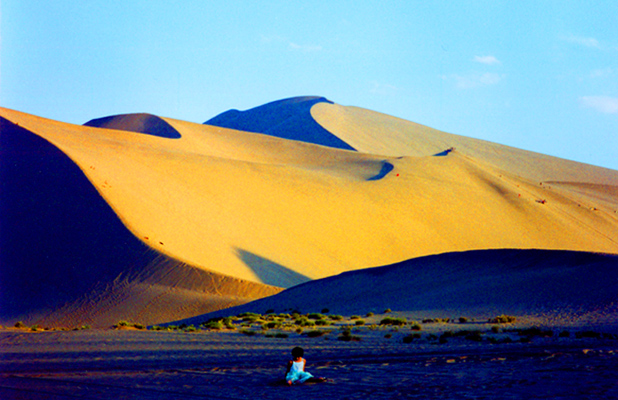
59,237
386,168
444,153
270,272
140,123
287,119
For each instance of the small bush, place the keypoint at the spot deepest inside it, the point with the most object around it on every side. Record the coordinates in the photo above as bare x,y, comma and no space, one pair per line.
463,320
271,325
393,321
370,314
410,338
316,333
503,319
388,336
359,322
213,325
325,311
336,317
355,317
388,310
322,322
316,316
415,326
247,332
587,334
346,336
19,324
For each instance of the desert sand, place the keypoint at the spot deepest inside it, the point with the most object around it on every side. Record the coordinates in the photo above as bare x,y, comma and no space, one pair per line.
145,217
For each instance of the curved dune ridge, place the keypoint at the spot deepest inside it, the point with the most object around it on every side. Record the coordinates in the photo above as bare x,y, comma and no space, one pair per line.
551,287
68,260
142,123
287,119
269,212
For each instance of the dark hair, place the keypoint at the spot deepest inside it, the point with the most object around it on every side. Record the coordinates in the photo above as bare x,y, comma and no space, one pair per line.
297,352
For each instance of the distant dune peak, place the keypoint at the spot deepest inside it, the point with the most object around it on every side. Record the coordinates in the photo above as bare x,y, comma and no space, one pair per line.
140,123
288,119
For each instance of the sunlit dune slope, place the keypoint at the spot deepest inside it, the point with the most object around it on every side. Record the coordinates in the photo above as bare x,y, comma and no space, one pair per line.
541,286
372,132
67,259
282,212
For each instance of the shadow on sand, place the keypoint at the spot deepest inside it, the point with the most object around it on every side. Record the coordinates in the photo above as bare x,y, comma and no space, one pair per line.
270,272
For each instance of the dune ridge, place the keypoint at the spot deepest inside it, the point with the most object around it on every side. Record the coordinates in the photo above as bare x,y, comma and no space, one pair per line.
68,260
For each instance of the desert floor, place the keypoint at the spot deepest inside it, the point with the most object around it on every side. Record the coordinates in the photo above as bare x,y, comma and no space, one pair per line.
140,364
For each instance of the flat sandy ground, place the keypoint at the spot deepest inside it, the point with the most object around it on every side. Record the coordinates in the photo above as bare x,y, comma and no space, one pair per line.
130,364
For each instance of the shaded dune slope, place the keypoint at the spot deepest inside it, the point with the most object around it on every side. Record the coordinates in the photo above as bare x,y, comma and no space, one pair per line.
546,286
141,123
62,243
288,119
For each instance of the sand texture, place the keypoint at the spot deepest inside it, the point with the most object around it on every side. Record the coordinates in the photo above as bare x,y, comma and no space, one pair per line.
145,217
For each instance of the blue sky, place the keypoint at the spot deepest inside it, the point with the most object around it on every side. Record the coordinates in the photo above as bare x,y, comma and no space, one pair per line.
538,75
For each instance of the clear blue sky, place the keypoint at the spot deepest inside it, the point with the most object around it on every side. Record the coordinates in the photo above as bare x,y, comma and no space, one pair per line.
538,75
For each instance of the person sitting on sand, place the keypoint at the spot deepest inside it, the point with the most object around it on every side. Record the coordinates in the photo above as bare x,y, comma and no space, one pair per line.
295,373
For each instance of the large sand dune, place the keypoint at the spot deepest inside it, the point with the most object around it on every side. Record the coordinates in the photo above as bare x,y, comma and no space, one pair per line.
260,210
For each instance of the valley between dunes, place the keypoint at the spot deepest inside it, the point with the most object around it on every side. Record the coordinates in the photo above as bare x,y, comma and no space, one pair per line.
154,219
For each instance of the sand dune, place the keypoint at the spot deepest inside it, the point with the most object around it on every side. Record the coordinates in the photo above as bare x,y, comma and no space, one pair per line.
117,197
546,287
68,260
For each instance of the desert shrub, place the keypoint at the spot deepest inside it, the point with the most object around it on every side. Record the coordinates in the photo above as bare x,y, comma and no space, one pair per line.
475,336
19,324
370,314
122,323
269,311
436,320
388,310
393,321
355,317
322,322
34,328
325,311
249,314
190,328
271,325
316,333
388,336
316,316
411,337
336,317
229,323
587,334
347,336
139,326
172,327
463,320
503,319
303,321
415,326
536,331
359,322
247,332
299,330
213,325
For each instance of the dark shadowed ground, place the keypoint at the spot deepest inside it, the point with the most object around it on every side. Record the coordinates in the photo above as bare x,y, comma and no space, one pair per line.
107,364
